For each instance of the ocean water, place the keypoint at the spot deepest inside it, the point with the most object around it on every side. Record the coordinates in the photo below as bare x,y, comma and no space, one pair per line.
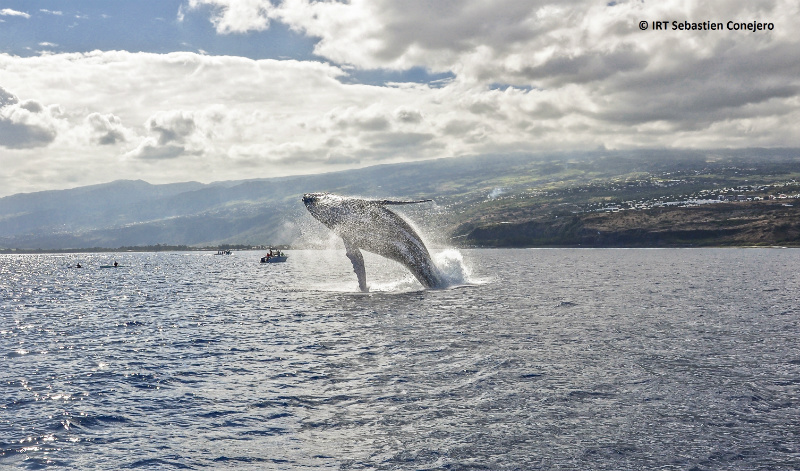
535,359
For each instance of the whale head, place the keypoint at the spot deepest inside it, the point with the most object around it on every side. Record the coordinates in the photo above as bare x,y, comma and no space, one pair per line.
311,199
325,207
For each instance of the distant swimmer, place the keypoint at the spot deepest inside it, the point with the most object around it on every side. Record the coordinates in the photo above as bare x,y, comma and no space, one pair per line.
115,263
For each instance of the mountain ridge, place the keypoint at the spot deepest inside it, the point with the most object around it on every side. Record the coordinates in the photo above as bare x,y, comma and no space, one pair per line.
473,195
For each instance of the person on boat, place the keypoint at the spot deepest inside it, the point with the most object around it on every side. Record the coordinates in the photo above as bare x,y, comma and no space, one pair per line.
115,263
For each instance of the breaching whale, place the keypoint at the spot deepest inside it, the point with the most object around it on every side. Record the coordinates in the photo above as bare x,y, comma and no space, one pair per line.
369,225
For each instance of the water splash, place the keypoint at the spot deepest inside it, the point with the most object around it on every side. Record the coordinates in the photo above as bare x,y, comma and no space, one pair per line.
452,267
403,285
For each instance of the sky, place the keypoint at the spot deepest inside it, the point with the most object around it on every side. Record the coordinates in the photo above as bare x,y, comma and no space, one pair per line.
176,90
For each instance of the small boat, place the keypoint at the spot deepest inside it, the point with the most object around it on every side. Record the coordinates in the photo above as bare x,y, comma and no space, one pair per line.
223,252
274,256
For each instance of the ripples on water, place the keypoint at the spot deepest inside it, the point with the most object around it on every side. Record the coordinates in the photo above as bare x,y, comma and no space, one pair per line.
553,359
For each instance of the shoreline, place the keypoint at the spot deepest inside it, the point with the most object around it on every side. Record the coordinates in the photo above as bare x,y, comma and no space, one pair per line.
471,247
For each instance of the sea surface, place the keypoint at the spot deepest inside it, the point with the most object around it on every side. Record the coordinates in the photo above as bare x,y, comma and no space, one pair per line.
534,359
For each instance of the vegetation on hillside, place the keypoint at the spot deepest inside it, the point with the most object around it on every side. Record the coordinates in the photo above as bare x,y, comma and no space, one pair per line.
603,198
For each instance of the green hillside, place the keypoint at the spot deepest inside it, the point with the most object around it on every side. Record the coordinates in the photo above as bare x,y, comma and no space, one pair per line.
603,198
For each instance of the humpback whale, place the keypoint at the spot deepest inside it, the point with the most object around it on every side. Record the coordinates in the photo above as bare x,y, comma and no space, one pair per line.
371,226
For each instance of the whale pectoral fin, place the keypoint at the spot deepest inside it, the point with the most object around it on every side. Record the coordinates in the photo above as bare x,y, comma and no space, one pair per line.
358,265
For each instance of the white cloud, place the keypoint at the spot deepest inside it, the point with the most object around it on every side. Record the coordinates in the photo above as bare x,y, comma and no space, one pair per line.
150,149
525,43
408,115
173,133
26,124
624,75
10,12
529,76
172,127
234,16
106,129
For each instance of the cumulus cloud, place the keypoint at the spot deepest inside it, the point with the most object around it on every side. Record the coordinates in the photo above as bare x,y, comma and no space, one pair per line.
172,127
171,133
25,124
150,149
107,129
621,74
234,16
408,115
357,119
399,141
523,43
526,77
